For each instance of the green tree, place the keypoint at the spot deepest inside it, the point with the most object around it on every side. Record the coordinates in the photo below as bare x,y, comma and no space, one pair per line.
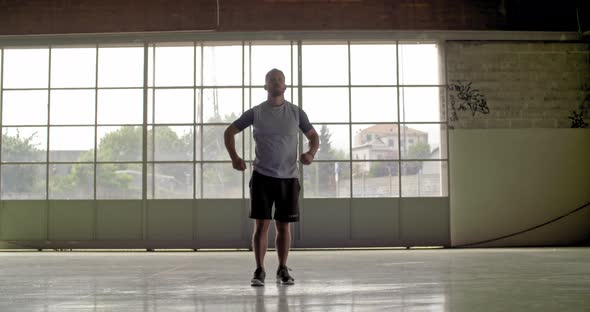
418,150
213,144
121,145
322,175
20,181
326,151
172,178
78,183
20,148
382,169
218,180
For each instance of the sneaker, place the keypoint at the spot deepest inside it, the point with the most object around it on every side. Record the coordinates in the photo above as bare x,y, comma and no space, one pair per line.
283,276
258,279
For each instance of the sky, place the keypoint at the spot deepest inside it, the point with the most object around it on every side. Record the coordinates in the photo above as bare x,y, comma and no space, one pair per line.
322,65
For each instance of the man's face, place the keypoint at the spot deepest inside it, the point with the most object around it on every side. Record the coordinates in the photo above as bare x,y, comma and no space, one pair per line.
275,84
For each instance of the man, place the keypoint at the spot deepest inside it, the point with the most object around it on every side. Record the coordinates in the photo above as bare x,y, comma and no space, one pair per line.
276,124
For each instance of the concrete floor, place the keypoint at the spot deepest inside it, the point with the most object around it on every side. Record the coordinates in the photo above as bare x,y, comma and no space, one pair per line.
531,279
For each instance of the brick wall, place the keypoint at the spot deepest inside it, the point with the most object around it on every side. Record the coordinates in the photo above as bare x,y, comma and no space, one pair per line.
104,16
517,84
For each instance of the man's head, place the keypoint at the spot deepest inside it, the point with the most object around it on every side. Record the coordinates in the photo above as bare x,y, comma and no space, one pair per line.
275,83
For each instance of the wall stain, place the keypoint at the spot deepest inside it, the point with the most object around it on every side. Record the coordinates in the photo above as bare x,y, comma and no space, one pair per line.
466,98
584,110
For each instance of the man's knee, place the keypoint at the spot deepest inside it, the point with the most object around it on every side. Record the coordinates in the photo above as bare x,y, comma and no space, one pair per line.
261,227
282,227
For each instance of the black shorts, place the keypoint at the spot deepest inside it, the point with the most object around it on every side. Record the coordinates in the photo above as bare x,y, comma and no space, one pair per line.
284,193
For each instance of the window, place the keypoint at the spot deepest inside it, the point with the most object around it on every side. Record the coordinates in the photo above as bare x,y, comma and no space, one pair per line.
83,122
383,111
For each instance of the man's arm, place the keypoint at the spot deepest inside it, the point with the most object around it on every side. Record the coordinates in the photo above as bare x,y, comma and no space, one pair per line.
314,144
230,144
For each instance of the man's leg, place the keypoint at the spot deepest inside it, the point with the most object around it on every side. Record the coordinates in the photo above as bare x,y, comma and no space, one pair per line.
260,241
283,241
287,210
283,244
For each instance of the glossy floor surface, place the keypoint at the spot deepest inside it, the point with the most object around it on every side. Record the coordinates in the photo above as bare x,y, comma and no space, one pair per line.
528,279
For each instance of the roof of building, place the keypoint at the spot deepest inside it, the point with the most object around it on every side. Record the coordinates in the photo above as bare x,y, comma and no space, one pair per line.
390,129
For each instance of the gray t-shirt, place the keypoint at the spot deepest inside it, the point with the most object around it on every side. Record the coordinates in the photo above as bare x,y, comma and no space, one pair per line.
275,130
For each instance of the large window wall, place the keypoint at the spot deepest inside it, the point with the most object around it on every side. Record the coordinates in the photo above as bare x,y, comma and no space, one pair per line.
147,121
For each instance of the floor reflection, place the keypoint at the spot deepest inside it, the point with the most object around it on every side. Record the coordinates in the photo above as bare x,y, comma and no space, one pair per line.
437,280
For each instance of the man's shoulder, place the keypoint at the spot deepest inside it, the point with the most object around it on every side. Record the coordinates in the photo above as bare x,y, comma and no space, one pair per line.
292,106
259,105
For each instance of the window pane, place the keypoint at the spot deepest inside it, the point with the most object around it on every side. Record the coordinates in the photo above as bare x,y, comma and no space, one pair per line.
120,106
222,65
326,104
375,141
198,66
175,66
24,108
295,53
374,104
423,141
71,181
173,106
247,65
325,64
214,146
26,68
375,179
167,66
267,57
119,143
150,74
261,66
334,142
24,144
373,64
71,144
172,143
170,181
421,104
418,64
326,179
120,67
72,107
222,105
118,181
73,67
221,181
23,181
424,178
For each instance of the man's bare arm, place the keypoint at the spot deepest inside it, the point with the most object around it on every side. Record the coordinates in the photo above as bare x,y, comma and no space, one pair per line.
314,144
230,144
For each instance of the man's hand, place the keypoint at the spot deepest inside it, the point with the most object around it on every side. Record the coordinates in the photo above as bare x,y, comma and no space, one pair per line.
306,158
238,164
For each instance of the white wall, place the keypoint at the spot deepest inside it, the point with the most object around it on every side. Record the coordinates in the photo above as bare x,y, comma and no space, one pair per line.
504,181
